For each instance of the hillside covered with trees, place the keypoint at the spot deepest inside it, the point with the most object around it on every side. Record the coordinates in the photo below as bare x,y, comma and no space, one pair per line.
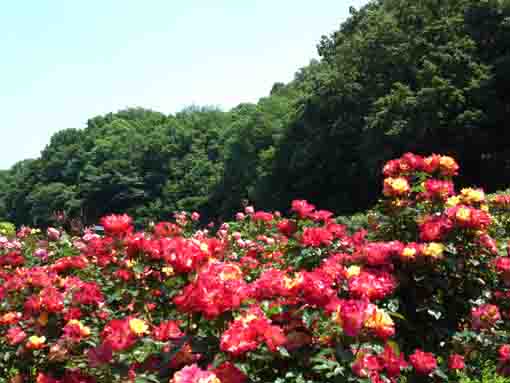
399,75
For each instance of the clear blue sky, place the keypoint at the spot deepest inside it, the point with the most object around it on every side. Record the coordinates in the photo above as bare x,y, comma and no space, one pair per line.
63,62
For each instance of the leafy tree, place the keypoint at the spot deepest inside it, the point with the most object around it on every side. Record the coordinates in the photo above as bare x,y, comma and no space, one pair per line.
397,76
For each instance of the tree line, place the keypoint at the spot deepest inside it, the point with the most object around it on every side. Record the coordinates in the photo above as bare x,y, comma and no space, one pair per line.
398,75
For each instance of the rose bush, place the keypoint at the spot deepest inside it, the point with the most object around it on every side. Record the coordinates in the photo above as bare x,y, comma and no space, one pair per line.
418,289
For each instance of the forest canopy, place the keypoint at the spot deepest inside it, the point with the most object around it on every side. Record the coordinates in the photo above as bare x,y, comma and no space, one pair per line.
397,76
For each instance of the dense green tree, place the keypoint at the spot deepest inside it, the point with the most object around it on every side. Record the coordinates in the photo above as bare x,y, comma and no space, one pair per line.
398,75
255,132
47,199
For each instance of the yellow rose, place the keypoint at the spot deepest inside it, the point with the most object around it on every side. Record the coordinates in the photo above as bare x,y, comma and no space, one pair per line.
379,318
453,201
138,326
353,271
434,250
447,162
400,184
470,195
463,214
409,252
35,342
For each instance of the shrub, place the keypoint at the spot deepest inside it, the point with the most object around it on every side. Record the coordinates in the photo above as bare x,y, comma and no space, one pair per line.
488,375
415,290
7,229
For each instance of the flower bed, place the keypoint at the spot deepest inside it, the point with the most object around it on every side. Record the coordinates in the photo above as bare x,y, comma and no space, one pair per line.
421,293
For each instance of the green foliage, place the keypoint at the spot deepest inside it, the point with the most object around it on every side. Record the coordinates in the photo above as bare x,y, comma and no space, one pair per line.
419,294
397,76
8,229
354,222
488,375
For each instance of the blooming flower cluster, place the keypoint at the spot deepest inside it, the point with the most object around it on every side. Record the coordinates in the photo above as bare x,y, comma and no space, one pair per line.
248,331
422,290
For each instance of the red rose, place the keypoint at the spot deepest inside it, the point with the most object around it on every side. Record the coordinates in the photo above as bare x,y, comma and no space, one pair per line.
117,224
456,362
504,353
302,208
423,362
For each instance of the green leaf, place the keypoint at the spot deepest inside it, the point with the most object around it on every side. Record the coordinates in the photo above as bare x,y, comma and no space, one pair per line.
440,373
436,314
283,352
397,315
343,354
